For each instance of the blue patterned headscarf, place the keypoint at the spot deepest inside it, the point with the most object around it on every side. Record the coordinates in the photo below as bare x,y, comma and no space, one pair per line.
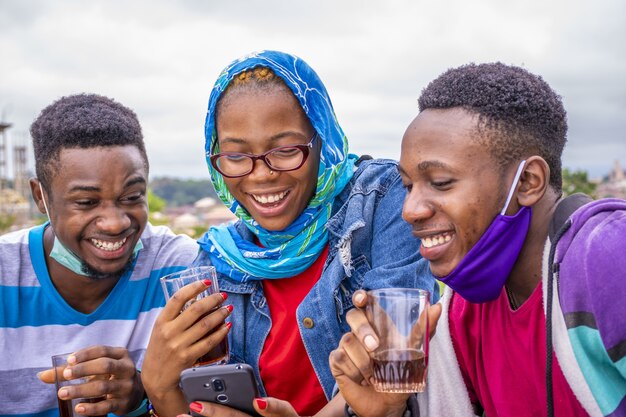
288,252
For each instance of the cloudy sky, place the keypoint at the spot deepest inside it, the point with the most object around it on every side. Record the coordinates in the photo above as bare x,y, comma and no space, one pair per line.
161,58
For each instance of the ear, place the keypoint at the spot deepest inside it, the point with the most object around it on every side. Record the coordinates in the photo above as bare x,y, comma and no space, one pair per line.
35,191
534,181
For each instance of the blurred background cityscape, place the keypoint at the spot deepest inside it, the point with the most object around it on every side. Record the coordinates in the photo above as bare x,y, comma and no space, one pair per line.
191,206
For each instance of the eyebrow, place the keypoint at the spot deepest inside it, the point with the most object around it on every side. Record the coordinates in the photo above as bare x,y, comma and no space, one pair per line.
426,165
274,138
92,188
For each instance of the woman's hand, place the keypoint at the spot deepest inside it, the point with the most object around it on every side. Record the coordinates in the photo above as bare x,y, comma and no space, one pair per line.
351,365
111,374
266,407
178,339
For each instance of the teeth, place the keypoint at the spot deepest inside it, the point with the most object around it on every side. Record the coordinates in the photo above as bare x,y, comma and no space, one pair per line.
436,240
108,246
270,198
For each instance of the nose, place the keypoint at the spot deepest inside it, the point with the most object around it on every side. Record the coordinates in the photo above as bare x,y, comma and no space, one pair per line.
261,171
113,220
417,207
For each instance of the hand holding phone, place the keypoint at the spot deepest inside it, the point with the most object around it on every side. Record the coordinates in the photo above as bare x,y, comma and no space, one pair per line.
232,385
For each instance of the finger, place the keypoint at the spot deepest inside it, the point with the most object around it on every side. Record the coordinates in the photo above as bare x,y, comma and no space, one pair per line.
359,298
434,313
95,352
206,325
215,410
209,342
199,309
341,366
92,389
97,408
273,407
358,365
176,304
103,366
362,329
47,376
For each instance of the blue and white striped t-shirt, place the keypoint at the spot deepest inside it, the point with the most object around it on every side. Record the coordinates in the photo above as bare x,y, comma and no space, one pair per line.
36,322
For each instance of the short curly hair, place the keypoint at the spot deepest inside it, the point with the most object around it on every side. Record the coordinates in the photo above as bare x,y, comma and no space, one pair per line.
81,121
519,115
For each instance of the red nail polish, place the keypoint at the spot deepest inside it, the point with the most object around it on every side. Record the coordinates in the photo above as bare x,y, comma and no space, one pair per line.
196,407
229,308
229,325
261,403
206,282
224,295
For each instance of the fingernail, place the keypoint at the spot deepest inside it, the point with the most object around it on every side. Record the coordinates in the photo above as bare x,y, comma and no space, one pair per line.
63,393
206,282
67,373
370,342
229,308
224,295
196,407
261,403
359,298
229,325
71,360
80,409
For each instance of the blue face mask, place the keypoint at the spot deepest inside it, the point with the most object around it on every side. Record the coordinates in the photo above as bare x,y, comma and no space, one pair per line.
66,257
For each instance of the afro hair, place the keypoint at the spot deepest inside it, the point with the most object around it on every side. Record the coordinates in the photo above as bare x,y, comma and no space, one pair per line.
81,121
519,115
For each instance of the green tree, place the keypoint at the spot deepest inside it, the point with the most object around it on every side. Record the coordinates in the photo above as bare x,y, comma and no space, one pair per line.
156,205
6,221
577,182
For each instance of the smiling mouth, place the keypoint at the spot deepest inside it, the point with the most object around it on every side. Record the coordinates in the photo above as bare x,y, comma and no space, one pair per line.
270,199
108,246
436,240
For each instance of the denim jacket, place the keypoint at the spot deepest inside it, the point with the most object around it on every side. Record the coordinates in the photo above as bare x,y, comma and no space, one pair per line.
370,246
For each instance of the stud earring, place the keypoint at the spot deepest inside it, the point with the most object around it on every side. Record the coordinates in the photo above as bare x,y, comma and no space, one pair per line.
271,172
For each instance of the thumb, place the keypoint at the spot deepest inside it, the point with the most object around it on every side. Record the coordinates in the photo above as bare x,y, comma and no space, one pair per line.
434,313
273,407
46,376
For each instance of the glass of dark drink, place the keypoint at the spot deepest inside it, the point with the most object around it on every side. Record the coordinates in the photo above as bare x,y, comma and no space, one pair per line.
399,316
174,282
67,407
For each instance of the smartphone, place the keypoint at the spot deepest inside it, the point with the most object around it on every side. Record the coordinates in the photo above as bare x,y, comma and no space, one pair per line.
232,385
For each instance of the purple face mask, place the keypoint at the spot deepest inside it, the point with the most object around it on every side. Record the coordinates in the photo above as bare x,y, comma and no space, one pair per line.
481,274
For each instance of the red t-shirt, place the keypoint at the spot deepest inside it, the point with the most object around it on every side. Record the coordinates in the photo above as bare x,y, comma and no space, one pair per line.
284,364
502,354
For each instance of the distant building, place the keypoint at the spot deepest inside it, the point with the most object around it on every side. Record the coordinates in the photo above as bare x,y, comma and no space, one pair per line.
615,184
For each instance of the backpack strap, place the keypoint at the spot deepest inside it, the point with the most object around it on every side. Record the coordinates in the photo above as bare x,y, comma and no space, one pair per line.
558,226
564,209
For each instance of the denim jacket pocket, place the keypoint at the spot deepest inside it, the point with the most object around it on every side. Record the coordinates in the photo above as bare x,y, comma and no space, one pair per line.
347,287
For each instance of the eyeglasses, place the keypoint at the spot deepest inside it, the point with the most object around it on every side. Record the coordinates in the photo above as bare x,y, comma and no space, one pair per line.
281,159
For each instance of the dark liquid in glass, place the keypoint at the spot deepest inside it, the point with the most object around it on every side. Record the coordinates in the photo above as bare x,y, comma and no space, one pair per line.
66,407
217,355
400,370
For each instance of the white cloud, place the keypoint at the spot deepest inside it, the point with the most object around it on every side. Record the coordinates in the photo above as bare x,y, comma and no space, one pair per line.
161,58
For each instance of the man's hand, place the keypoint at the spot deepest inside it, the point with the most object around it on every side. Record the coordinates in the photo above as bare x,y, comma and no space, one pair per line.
351,365
111,373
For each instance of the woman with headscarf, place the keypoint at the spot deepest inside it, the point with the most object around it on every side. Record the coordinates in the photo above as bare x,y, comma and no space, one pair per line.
315,224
